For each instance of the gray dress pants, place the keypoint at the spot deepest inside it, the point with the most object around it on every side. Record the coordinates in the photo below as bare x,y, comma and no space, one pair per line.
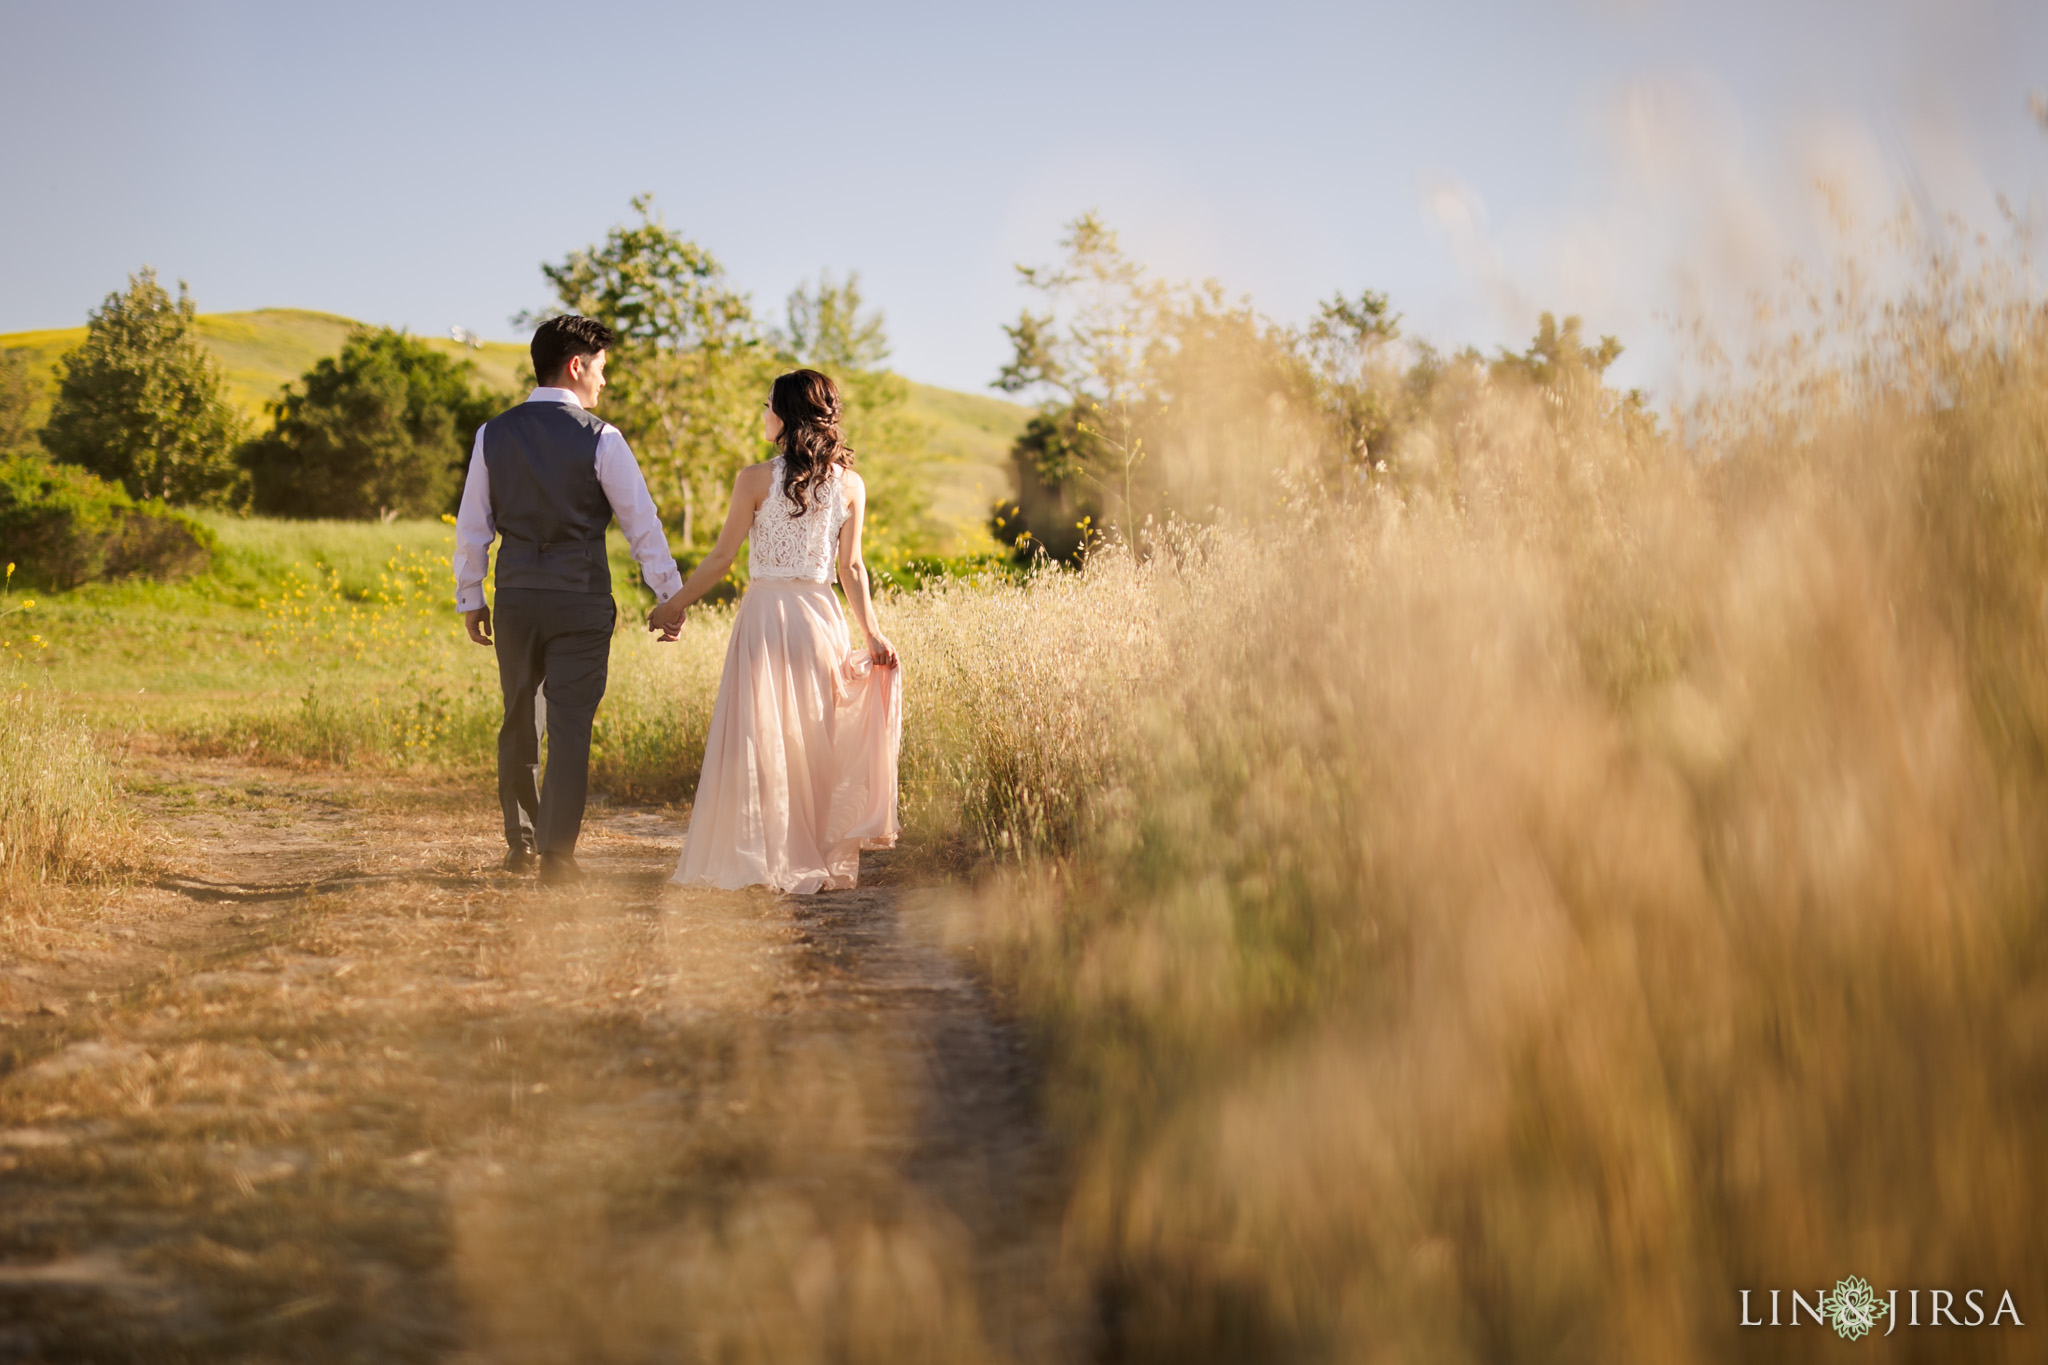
562,639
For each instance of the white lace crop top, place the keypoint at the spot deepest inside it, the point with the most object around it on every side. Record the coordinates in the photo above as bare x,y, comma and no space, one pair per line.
786,545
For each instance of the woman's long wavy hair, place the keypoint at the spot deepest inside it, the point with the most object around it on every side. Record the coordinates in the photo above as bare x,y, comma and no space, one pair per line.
808,404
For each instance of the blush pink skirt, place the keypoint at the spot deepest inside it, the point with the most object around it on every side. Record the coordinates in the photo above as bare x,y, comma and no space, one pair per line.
800,764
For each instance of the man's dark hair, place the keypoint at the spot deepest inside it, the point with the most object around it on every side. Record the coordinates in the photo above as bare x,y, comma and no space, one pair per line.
558,340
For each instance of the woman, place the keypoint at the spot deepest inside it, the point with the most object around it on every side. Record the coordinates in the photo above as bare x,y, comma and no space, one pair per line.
800,763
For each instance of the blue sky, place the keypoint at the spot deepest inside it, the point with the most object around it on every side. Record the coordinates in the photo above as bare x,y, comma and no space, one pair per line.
1631,160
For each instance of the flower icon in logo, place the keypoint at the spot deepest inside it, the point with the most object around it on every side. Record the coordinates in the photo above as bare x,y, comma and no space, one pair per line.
1853,1308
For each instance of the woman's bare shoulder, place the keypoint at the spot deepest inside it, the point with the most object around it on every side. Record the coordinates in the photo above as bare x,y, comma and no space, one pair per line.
854,485
762,474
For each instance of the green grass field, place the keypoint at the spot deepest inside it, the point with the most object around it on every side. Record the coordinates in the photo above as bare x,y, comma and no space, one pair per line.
967,436
290,616
337,642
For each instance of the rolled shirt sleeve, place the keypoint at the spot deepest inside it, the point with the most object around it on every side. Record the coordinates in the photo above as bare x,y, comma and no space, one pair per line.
474,531
619,474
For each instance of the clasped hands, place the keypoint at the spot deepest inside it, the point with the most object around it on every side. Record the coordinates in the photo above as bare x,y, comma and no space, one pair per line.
668,619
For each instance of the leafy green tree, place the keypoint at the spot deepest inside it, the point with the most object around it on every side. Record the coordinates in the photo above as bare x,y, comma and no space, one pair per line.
1560,362
1558,355
687,376
828,327
1089,344
139,401
384,428
1054,507
1158,398
1085,354
1346,349
693,363
19,394
1243,414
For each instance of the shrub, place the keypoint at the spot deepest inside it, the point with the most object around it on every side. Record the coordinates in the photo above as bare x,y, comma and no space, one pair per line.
64,527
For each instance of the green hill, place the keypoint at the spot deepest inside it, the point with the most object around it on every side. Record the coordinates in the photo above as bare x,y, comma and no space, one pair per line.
271,347
969,434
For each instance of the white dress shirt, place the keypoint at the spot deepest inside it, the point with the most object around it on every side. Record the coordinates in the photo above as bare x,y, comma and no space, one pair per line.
619,474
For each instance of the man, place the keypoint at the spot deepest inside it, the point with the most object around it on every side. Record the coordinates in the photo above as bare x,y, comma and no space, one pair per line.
549,476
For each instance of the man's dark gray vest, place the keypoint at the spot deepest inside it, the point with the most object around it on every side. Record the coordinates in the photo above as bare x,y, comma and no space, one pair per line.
546,500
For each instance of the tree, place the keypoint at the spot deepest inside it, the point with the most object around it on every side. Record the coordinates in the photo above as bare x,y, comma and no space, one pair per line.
691,362
828,327
1054,507
1346,346
139,401
1086,356
1244,414
1158,398
20,391
1559,362
383,428
1089,344
1557,355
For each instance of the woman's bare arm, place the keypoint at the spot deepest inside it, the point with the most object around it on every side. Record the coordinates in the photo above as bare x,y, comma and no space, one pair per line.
749,487
853,573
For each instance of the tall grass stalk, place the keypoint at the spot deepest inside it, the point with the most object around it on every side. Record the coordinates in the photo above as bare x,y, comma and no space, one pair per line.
59,819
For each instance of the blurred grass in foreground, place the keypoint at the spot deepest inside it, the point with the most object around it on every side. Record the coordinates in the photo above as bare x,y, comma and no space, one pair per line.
1503,915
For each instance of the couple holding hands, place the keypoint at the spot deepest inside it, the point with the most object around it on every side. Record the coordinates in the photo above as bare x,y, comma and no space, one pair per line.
799,769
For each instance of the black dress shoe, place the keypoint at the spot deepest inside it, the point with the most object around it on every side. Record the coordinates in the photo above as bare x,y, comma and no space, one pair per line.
559,869
519,860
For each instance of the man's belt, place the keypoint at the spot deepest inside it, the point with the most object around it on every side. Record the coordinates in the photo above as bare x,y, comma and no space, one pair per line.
546,545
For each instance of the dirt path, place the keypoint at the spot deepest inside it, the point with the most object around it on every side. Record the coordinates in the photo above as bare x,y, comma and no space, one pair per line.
339,1090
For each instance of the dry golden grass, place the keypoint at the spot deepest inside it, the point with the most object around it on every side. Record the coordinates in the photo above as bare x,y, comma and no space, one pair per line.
1504,915
59,820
